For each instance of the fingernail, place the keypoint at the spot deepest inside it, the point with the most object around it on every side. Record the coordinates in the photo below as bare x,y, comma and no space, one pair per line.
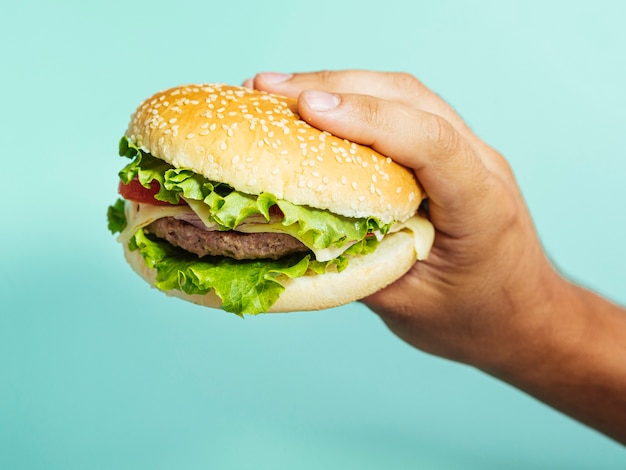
320,100
274,77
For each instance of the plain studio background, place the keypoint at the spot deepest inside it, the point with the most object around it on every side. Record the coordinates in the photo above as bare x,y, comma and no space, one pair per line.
98,371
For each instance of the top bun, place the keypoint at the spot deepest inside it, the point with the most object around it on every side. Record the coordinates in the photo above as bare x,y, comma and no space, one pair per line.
256,142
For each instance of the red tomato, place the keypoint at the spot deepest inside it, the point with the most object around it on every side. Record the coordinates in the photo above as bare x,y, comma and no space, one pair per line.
134,191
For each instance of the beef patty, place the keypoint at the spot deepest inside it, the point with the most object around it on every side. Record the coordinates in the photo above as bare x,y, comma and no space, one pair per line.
237,245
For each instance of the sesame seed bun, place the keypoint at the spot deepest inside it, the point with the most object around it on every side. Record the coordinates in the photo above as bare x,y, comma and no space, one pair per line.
394,256
255,142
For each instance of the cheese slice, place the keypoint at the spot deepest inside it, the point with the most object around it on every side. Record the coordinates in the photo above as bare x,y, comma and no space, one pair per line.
139,215
423,234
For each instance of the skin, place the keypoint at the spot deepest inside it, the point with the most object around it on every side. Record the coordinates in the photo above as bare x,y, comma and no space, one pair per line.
487,296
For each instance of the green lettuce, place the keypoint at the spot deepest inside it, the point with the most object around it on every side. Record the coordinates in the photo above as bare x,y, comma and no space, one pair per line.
116,217
245,287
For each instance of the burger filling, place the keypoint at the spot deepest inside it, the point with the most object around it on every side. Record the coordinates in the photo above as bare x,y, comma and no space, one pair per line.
203,236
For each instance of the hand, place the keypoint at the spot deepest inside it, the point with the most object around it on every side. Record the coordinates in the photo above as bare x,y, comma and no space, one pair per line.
487,295
487,284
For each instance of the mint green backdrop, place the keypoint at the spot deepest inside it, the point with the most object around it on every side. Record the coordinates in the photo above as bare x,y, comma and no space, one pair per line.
97,371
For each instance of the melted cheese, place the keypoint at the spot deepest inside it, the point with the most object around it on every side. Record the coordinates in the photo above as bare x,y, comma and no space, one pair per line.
423,234
139,215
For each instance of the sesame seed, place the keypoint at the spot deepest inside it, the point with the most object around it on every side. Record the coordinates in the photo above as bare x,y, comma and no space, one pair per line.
191,135
354,185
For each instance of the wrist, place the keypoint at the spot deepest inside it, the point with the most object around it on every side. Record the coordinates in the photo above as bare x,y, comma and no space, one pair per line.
544,330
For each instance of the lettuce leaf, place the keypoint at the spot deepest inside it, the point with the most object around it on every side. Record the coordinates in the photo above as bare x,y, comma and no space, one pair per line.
116,217
228,208
245,287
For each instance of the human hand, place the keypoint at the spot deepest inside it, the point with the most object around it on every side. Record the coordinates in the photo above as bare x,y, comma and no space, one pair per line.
487,278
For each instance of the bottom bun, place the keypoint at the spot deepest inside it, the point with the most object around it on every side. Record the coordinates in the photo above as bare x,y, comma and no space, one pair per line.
364,276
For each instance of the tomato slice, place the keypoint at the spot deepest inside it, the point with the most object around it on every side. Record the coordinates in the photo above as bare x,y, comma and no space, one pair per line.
134,191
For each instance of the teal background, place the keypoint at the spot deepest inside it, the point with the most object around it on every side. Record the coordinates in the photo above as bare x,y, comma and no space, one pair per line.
98,371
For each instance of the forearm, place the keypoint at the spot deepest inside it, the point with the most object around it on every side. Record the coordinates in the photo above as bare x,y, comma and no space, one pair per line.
574,360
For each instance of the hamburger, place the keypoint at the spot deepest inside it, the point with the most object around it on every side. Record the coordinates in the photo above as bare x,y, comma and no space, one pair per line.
230,200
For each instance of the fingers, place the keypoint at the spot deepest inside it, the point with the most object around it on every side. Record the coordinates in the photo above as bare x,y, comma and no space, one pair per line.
445,163
391,86
385,85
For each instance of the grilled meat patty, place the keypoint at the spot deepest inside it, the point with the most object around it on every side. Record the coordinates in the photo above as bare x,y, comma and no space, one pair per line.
237,245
